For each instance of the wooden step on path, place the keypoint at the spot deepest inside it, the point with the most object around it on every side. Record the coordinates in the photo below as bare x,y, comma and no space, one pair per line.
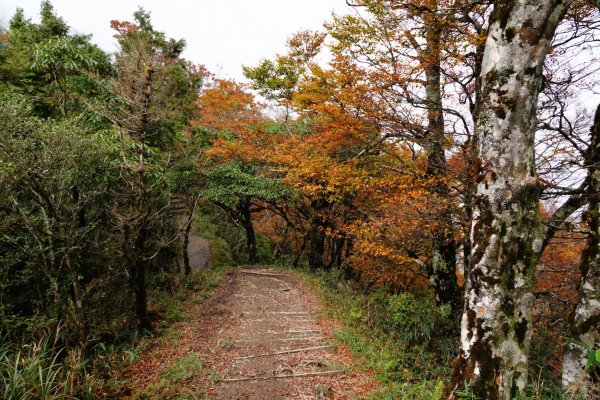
294,375
284,351
303,350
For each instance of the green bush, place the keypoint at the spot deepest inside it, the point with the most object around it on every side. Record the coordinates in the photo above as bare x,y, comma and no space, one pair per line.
264,249
414,320
220,252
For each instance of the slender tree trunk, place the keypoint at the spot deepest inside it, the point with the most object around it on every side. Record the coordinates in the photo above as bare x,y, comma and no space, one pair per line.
585,325
77,298
316,247
316,235
138,273
138,279
249,228
442,269
506,235
186,242
300,253
250,242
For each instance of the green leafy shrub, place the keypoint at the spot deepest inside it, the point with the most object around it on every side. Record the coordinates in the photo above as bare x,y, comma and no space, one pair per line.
264,249
414,320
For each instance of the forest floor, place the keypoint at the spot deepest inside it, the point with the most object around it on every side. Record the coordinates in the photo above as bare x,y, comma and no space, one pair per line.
262,335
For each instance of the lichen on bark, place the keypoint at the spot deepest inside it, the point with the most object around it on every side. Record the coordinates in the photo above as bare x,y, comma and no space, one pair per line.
585,321
506,234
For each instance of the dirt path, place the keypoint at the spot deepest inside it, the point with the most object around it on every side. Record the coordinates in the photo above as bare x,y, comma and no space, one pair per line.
274,348
259,337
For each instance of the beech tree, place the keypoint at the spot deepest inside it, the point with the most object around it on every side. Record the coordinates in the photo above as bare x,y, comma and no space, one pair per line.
417,55
578,372
507,235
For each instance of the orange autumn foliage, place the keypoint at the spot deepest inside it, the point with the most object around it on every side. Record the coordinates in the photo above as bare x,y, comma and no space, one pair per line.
225,106
369,197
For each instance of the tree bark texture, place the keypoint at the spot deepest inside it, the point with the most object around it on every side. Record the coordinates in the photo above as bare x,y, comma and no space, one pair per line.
506,233
246,219
187,268
442,271
585,321
316,247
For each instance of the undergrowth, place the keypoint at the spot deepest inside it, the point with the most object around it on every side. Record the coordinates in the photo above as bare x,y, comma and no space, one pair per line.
41,368
405,339
401,338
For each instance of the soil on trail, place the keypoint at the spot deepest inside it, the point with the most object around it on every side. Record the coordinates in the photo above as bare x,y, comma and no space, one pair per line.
274,348
259,338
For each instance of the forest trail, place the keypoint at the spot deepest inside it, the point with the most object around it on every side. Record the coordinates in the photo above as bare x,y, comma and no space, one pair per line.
261,336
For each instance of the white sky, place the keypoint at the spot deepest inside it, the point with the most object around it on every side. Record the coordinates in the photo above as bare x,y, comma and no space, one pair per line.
221,34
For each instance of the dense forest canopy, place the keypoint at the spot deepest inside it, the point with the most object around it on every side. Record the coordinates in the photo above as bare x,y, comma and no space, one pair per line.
445,158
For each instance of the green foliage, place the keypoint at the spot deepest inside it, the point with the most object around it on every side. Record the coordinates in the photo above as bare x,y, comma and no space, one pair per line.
275,80
593,355
408,359
415,321
150,63
210,224
53,68
421,390
57,183
228,184
538,391
81,219
264,249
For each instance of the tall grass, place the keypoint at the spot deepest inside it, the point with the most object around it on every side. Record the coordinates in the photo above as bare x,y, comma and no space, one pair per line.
33,371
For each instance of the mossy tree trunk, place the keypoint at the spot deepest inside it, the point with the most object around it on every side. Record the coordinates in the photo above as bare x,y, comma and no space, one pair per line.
442,273
442,268
586,317
507,236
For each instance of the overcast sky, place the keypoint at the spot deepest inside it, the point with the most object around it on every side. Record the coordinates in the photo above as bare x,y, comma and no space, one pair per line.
221,34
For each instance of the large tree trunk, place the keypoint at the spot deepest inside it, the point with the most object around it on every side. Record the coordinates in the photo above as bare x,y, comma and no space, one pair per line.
506,234
585,326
